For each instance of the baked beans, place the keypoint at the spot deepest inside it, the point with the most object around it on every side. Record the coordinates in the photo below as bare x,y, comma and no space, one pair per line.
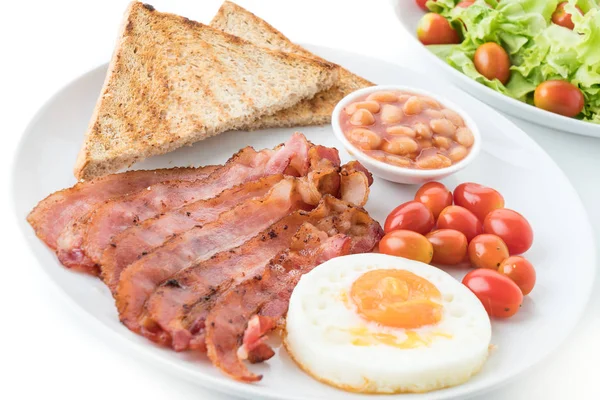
407,130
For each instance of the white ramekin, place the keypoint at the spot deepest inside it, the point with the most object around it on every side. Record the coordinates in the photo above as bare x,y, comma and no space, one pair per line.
392,172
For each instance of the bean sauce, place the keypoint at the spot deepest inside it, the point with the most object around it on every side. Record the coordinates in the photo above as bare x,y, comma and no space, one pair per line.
406,130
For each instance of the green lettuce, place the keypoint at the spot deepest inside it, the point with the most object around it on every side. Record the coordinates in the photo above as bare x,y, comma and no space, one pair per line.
539,50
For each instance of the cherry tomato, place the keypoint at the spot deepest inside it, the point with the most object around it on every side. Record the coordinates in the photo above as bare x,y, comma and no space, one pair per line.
435,196
478,199
407,244
460,219
520,271
435,29
512,227
559,97
500,296
449,246
492,61
412,216
563,18
487,251
422,4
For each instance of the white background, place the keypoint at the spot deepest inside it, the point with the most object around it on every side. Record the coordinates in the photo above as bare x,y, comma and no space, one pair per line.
47,352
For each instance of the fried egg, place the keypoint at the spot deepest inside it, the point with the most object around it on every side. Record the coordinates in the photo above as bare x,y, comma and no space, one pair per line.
374,323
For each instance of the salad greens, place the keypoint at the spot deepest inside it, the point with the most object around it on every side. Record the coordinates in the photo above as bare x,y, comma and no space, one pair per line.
539,50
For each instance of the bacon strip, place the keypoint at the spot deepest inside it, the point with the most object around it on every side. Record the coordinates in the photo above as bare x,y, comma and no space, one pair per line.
139,240
140,279
114,217
142,239
178,308
268,297
230,316
50,217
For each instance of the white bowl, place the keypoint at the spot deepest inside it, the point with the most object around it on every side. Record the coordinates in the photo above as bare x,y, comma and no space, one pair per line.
392,172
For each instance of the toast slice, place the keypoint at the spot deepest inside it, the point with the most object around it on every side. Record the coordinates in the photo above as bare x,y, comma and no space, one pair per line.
173,81
237,21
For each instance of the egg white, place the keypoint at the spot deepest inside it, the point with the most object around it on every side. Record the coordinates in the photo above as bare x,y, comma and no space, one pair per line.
322,325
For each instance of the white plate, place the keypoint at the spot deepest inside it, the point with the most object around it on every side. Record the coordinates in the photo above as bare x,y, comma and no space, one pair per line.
409,15
509,161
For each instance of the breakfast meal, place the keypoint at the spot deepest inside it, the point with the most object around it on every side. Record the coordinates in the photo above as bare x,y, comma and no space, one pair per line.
542,52
406,130
215,259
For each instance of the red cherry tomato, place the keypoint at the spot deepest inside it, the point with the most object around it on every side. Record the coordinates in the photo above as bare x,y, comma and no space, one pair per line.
487,251
435,29
412,216
422,4
563,18
559,97
435,196
512,227
449,246
520,271
478,199
460,219
492,61
407,244
500,296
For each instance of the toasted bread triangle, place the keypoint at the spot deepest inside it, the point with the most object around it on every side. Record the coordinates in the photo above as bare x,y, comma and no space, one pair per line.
172,82
238,21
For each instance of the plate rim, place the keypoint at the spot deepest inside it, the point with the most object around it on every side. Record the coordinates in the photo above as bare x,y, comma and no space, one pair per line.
232,387
540,117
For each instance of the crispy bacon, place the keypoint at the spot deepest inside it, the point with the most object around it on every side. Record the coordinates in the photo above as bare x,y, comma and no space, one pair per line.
229,318
114,217
141,239
82,246
227,322
50,217
207,258
175,313
140,279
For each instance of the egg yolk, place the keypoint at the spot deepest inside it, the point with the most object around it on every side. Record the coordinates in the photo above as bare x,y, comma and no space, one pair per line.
396,298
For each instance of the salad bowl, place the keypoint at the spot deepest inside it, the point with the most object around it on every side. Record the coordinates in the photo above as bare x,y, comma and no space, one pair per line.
584,57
